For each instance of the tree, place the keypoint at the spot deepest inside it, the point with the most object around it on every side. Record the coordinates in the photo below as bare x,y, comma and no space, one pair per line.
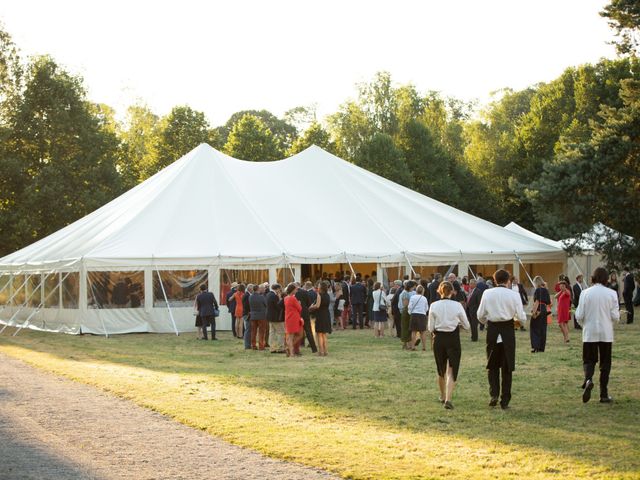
624,18
603,174
250,139
429,165
314,135
59,155
11,75
379,155
283,132
182,130
140,140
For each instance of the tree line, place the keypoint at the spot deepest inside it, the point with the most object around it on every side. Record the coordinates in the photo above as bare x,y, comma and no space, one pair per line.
555,157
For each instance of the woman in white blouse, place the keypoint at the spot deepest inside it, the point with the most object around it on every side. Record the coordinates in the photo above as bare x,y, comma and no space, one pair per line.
445,318
418,308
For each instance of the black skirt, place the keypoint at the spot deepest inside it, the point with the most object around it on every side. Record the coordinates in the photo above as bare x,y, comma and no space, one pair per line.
446,347
418,322
198,321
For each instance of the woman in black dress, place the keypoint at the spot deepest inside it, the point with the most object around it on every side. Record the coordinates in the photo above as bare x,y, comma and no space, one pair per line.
541,309
323,319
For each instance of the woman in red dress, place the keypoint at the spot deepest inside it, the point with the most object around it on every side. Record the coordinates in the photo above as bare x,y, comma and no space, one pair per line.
564,304
293,322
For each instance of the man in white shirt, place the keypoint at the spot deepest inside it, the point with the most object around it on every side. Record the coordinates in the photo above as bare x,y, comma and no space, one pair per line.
597,310
498,309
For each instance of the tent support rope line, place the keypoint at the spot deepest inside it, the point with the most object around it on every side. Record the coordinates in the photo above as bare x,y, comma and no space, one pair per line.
39,307
164,293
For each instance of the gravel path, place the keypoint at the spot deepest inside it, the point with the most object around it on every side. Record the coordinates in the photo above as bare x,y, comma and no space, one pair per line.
53,428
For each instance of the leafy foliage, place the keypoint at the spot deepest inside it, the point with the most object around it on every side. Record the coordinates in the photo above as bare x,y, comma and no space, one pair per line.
624,18
251,139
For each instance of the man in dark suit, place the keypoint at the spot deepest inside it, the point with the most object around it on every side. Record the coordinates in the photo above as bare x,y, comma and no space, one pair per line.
207,305
577,290
475,295
358,298
303,298
395,309
629,286
433,295
346,294
231,305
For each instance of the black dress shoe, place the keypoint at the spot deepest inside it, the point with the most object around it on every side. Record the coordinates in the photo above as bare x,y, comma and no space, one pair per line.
448,405
504,407
417,343
606,399
493,402
586,394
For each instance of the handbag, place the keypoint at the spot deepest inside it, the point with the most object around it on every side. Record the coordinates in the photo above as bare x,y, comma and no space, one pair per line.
216,312
382,303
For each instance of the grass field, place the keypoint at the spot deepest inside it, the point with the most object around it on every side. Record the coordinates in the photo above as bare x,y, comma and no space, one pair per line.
370,410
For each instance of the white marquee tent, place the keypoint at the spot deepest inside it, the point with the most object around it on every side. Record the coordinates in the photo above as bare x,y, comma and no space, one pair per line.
587,260
134,265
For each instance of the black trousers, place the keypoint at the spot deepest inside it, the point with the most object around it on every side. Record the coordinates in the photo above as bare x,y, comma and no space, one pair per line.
206,321
590,353
397,323
357,315
494,378
473,321
309,334
628,304
233,325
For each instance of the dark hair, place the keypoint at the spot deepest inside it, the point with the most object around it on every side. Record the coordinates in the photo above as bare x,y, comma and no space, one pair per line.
203,287
290,288
501,276
276,286
600,276
324,286
241,287
377,286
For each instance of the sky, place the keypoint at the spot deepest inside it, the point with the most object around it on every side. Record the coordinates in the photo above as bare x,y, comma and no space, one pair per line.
222,57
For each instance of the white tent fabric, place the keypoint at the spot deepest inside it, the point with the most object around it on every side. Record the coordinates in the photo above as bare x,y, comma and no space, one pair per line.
208,210
312,207
581,264
514,227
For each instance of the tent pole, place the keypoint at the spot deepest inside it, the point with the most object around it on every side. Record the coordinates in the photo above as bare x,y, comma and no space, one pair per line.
450,270
14,293
577,266
524,268
164,293
39,307
353,272
26,322
409,263
468,265
288,263
23,304
98,305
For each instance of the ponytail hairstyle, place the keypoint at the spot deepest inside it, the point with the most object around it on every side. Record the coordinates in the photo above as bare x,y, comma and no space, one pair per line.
445,289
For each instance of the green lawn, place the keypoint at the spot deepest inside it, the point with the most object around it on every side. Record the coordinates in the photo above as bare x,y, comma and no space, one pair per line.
370,410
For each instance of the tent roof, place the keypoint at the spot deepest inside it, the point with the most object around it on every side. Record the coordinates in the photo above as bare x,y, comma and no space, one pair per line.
514,227
599,231
208,208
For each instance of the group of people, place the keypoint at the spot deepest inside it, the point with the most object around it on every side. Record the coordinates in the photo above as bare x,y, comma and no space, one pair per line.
434,311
